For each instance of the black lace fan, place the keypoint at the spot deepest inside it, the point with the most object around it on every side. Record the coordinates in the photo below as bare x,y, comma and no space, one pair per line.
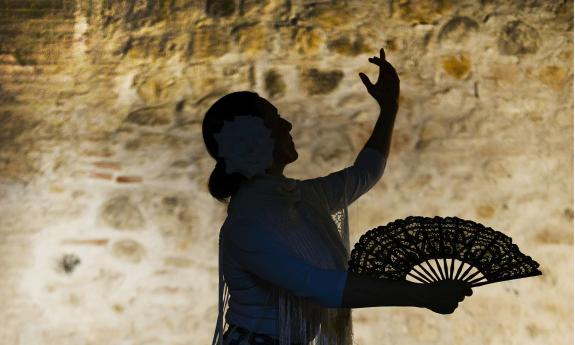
424,249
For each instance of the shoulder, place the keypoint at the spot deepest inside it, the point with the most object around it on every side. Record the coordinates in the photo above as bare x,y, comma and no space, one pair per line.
246,233
313,193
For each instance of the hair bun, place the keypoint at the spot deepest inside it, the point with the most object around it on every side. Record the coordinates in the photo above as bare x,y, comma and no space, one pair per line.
220,166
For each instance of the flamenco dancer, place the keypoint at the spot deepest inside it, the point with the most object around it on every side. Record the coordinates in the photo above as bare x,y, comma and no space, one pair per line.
283,258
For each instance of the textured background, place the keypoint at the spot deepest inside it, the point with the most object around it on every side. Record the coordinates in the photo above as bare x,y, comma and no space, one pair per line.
108,234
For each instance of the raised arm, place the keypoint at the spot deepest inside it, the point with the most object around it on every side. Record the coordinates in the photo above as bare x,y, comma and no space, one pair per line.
365,291
386,93
343,187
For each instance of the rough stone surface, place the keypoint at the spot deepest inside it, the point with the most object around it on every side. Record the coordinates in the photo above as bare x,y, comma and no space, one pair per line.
458,28
220,8
108,234
457,66
274,84
318,82
346,46
128,250
517,38
120,213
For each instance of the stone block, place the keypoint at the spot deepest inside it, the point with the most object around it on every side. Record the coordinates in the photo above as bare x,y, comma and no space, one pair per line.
128,250
458,28
252,39
209,42
457,66
518,38
421,11
350,46
317,82
274,84
220,8
150,116
308,40
122,214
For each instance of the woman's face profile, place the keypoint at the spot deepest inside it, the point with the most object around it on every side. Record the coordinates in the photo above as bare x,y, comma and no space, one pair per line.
284,149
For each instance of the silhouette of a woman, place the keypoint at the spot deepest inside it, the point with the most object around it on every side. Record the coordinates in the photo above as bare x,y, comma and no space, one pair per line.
283,262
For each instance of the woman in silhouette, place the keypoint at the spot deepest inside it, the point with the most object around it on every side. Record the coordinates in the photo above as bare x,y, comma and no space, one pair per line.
283,272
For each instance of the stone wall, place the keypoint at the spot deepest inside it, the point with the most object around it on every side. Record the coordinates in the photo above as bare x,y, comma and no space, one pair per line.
108,234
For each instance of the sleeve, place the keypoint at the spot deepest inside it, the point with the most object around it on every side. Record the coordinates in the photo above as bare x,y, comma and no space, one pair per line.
260,253
353,181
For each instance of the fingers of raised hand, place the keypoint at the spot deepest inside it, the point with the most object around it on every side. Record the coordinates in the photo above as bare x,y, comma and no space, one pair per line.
382,53
379,62
376,60
383,64
365,79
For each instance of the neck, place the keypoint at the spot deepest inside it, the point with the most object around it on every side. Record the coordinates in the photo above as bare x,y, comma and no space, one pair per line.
269,176
276,170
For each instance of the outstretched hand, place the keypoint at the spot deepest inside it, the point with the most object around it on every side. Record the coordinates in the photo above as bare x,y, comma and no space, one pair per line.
386,89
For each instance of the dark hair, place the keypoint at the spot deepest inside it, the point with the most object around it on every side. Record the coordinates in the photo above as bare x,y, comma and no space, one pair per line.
222,185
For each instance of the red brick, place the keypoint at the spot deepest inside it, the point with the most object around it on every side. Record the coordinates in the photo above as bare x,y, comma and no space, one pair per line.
95,242
108,165
128,179
104,176
96,137
96,153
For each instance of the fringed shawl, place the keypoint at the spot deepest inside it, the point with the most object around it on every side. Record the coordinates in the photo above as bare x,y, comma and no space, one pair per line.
279,202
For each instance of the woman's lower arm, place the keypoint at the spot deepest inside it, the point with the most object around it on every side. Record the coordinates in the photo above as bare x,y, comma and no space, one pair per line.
380,138
363,291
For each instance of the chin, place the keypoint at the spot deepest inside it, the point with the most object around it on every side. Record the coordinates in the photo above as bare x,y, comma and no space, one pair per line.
295,155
